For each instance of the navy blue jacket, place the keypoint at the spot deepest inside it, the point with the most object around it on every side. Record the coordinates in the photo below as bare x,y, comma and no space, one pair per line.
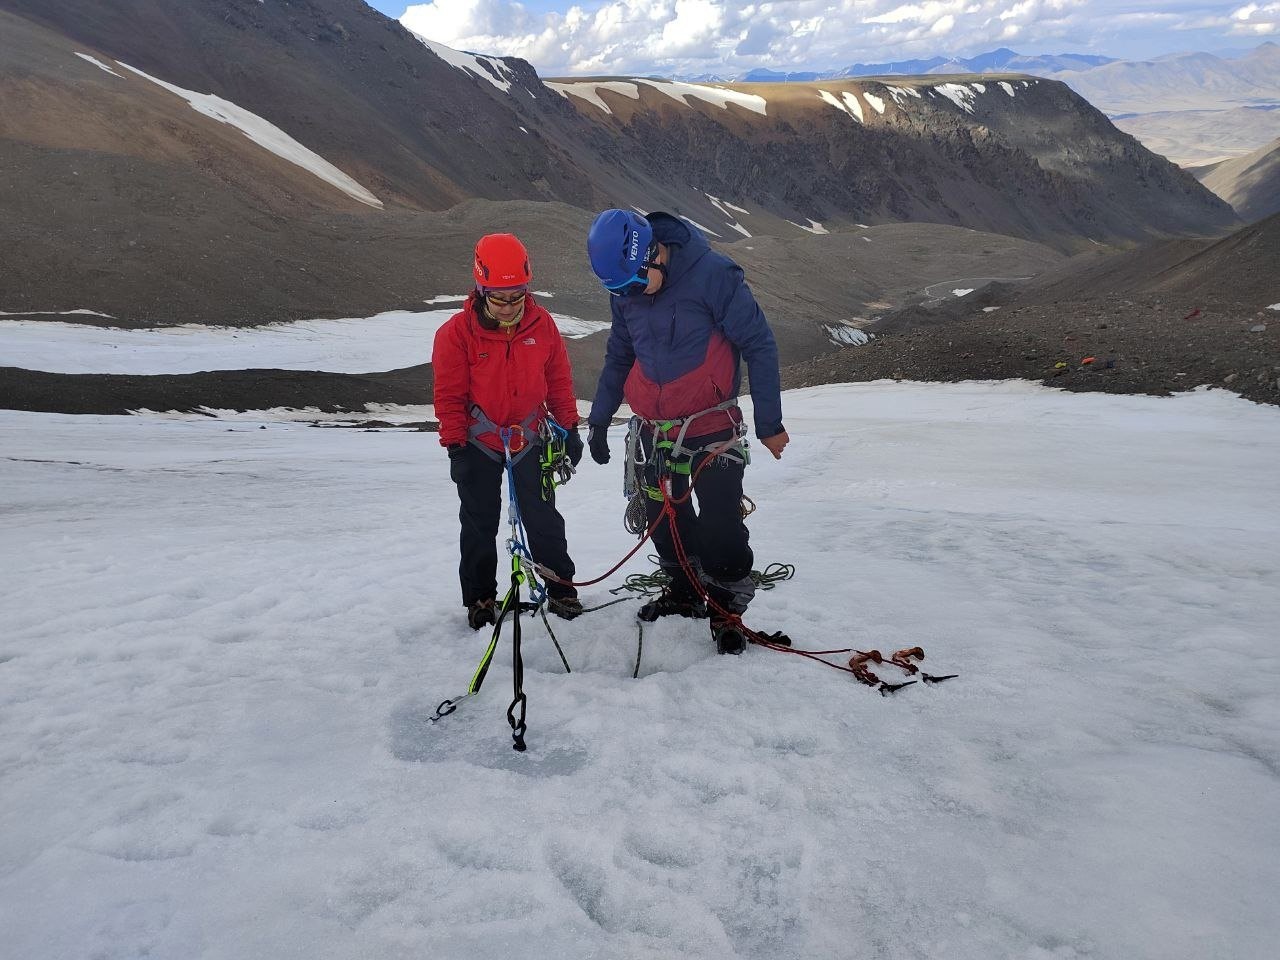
680,351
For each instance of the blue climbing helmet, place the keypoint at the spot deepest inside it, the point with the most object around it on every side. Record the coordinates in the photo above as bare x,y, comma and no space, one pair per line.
621,248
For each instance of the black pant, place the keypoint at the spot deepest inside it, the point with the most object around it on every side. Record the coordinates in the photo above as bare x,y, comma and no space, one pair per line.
480,481
714,537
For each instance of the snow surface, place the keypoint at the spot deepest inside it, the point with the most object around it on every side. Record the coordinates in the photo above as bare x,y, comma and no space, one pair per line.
730,222
676,90
958,94
962,291
486,68
898,93
848,103
398,413
719,96
98,63
1274,306
1008,88
268,136
814,227
735,209
54,313
591,91
876,103
223,645
387,341
847,336
696,224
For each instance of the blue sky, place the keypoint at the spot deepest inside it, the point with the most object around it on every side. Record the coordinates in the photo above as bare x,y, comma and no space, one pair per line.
690,37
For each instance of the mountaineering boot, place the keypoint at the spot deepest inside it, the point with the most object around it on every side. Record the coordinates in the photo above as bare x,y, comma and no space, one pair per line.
671,604
566,608
480,613
728,637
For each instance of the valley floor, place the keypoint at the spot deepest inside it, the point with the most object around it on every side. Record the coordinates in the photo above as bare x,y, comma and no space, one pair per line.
1117,345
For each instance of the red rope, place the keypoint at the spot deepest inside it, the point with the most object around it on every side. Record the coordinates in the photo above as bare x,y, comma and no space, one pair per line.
668,512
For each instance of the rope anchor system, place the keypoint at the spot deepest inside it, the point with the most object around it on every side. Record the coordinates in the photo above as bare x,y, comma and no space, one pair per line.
668,457
556,470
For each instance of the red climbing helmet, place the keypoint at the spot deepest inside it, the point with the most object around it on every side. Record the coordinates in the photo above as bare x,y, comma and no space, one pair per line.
501,261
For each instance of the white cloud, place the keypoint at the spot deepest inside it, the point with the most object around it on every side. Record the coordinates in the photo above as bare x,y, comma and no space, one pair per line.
1256,19
690,37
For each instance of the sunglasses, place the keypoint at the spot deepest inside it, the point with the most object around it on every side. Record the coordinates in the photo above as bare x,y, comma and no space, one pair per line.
495,301
640,282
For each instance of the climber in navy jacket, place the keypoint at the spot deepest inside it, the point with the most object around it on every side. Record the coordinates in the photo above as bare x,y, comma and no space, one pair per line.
683,321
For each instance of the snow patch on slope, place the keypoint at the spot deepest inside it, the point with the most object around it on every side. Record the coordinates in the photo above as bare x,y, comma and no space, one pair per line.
267,135
54,313
814,227
731,222
486,68
719,96
98,63
847,336
590,92
958,94
900,94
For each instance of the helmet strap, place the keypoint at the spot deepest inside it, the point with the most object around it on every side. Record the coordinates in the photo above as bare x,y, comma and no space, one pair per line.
497,323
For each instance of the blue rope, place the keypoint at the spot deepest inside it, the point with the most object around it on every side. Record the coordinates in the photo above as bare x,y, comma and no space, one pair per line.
516,546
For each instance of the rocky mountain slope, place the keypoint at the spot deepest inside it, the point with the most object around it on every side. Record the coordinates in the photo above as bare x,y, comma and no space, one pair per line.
1251,184
237,162
240,162
1192,108
1007,154
1166,317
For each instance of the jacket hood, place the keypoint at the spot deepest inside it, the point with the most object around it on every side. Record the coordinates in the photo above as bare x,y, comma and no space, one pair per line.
685,242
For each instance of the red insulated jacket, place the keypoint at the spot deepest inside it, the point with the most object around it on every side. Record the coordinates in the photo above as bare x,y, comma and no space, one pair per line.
508,375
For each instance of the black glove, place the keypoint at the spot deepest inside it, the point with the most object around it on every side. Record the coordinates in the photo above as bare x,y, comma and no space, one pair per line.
573,446
598,441
458,463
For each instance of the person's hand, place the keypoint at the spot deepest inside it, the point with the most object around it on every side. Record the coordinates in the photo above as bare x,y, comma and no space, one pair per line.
776,444
573,446
598,441
458,463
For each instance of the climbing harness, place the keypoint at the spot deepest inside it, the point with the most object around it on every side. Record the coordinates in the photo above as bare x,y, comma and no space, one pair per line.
653,455
515,443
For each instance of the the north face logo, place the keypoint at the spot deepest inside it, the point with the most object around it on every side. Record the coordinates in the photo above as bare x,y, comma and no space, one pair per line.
529,341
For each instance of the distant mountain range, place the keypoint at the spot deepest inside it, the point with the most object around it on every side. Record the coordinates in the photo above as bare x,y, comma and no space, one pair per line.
1193,108
1179,81
1003,60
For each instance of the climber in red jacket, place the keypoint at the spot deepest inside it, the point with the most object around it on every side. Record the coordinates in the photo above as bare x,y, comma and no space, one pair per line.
501,365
